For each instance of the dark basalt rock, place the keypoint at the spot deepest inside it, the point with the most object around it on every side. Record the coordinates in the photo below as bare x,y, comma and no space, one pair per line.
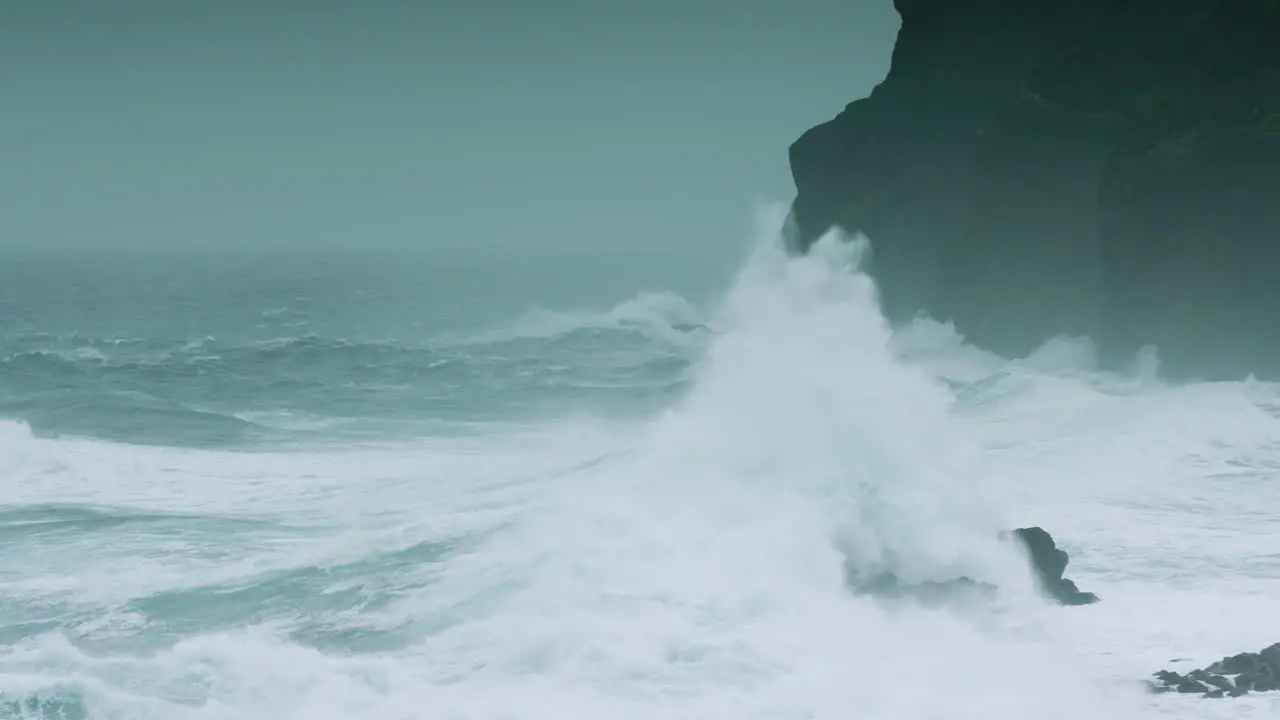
1047,561
1050,563
1229,677
1099,167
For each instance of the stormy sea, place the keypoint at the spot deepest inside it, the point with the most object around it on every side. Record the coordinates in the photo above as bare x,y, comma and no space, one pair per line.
359,485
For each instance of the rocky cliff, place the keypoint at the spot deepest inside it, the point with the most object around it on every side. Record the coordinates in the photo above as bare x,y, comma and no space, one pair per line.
1108,168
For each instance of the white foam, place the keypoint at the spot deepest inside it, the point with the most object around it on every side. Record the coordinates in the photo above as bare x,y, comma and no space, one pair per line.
657,314
690,566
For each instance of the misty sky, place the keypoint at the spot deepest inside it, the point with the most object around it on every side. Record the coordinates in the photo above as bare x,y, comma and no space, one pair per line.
396,124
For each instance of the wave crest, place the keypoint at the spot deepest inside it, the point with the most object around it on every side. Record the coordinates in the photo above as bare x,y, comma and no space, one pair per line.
206,391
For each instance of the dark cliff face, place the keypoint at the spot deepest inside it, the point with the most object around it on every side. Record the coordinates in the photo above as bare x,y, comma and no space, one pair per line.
1108,168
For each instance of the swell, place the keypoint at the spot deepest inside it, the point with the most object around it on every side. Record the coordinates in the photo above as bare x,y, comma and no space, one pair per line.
209,392
694,573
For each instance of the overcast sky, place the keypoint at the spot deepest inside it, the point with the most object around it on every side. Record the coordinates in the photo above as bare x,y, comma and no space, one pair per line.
485,123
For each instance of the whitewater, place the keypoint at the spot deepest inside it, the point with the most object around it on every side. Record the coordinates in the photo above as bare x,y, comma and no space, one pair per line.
637,511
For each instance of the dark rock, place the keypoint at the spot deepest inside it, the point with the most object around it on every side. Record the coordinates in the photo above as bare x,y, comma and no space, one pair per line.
1217,681
1236,664
1229,677
930,592
1047,561
1101,167
1271,658
1188,686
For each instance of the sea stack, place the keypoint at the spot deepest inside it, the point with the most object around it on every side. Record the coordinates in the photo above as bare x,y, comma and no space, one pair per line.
1108,168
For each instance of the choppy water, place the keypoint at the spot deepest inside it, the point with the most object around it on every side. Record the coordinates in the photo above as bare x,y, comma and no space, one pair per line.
337,489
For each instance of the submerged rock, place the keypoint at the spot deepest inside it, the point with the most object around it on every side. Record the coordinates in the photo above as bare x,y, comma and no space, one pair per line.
1229,677
929,592
1048,562
1105,168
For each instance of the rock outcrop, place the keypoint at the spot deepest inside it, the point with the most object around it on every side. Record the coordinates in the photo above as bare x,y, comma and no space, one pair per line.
1229,677
1108,168
1048,563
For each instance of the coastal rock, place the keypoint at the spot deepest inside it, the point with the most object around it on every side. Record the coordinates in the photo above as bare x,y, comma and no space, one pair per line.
930,592
1047,560
1229,677
1104,168
1050,564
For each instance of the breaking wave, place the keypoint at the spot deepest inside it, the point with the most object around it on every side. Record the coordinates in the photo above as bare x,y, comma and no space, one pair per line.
686,561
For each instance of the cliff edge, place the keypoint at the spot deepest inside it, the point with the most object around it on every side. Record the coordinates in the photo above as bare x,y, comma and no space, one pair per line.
1108,168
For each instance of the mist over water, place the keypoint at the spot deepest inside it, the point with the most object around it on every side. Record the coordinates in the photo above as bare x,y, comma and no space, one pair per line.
636,509
407,363
425,127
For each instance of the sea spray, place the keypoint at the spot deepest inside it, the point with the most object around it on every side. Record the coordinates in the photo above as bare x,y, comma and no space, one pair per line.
698,573
582,561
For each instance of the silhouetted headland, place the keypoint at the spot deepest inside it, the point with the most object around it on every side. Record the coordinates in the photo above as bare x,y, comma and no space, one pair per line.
1108,168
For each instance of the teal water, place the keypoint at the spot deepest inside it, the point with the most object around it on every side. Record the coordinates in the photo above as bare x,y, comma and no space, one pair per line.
591,485
233,349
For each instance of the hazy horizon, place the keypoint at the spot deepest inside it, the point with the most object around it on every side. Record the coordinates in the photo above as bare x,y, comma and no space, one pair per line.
404,126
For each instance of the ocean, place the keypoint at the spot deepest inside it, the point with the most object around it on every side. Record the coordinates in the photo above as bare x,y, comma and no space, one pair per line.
600,485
